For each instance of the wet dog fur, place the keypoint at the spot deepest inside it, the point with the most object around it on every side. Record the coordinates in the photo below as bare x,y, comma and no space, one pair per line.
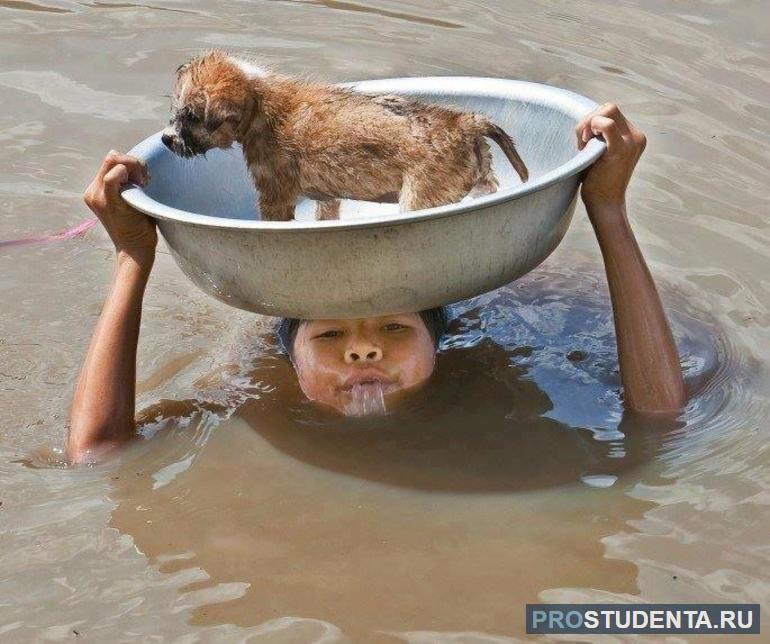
329,143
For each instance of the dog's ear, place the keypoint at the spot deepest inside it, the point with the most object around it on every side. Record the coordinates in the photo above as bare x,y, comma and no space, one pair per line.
182,69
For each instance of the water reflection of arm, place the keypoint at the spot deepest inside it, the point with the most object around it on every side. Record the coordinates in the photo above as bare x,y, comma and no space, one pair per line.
103,406
648,357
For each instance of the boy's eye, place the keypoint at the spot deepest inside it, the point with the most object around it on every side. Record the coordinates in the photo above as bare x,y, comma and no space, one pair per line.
330,334
394,326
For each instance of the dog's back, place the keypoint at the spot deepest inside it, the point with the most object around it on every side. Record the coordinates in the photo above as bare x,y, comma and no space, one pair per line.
360,146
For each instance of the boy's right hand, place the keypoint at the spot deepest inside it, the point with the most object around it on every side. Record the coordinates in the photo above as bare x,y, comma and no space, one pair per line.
131,231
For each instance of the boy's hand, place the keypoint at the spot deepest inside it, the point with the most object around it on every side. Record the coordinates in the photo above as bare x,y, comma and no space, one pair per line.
606,181
131,231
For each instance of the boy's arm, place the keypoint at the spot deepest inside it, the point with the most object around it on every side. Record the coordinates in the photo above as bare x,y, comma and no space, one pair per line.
103,406
648,357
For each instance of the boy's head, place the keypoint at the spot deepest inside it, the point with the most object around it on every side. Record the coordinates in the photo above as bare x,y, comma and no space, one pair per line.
333,358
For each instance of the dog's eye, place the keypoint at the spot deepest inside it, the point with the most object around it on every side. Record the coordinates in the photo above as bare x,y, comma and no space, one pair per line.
189,116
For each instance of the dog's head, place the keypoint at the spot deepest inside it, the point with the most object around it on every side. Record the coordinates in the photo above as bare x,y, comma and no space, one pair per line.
214,99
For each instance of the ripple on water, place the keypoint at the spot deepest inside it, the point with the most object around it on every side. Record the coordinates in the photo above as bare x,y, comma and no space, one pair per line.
73,97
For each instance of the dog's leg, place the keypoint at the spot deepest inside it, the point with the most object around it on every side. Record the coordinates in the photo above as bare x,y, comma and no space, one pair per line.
278,192
276,210
485,186
485,182
327,209
417,194
407,198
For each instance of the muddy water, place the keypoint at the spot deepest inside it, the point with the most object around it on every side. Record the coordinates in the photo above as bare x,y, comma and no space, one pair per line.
515,477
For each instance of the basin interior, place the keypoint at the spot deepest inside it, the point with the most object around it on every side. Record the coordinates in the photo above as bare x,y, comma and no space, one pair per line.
219,184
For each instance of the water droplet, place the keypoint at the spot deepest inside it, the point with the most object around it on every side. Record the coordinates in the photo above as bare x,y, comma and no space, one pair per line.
599,480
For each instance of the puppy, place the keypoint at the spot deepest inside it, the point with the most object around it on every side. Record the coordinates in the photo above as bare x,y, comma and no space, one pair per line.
329,143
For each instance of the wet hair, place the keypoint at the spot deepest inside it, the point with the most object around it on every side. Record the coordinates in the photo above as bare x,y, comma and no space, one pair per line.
435,320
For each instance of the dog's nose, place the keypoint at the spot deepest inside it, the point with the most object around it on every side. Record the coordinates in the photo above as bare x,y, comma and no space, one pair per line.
167,140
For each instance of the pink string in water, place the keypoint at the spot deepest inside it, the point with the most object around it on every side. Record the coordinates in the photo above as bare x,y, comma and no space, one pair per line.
81,228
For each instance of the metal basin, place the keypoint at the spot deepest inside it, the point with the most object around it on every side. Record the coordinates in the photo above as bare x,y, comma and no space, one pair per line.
373,260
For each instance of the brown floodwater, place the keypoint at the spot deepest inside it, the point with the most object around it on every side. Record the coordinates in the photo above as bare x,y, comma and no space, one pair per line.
245,513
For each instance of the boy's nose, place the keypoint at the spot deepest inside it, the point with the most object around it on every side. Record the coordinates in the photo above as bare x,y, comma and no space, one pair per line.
365,351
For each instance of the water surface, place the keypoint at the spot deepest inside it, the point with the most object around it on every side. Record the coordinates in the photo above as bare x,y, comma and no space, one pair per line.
515,478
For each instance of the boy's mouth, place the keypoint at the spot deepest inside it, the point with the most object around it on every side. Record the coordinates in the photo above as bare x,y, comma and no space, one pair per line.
369,378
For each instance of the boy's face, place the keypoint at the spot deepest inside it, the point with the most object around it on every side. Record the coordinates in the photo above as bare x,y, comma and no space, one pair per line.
339,360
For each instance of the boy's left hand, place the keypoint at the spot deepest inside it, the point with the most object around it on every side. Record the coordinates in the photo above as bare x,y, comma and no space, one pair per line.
606,181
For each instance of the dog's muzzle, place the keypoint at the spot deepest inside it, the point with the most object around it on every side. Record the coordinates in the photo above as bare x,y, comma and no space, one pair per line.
168,140
176,143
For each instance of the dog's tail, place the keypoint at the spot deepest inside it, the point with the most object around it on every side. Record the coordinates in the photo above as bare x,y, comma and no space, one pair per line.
498,135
